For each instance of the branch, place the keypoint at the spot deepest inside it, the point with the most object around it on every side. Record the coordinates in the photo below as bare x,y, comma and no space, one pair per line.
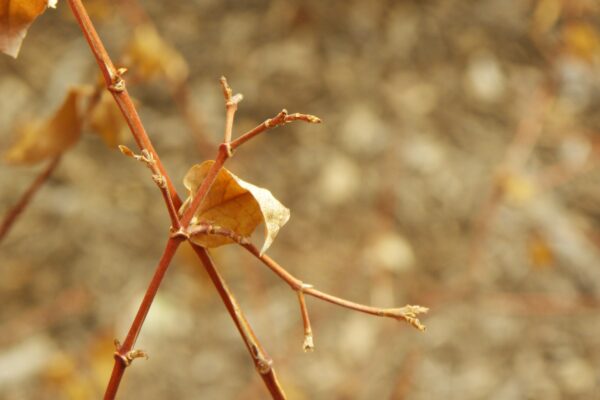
262,361
407,313
124,354
116,85
231,103
280,119
226,148
13,214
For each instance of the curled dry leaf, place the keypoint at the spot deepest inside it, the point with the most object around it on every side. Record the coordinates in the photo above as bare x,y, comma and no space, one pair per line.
107,121
233,204
39,140
15,18
154,58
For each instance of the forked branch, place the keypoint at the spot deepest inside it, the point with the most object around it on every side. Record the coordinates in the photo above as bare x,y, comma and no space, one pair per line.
408,313
116,85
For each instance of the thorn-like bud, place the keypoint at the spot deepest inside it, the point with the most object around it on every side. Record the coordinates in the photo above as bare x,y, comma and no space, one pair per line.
409,314
227,92
160,181
308,346
303,117
236,99
126,151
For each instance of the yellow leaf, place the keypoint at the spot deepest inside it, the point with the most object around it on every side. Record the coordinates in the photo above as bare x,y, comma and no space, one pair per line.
15,17
39,140
107,121
233,204
153,58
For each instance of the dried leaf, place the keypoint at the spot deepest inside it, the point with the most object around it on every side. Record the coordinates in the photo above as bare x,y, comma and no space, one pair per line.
234,204
15,18
154,58
39,140
107,121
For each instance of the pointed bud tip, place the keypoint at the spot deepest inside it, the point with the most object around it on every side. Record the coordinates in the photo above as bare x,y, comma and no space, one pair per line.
126,151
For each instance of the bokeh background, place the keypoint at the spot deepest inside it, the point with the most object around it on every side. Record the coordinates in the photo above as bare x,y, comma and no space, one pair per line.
455,169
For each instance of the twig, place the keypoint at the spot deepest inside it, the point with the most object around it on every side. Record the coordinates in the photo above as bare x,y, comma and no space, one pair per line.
280,119
17,209
308,344
124,351
116,85
231,103
407,313
226,148
147,158
262,362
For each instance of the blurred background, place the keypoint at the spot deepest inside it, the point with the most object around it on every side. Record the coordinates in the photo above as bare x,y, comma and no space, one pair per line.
455,168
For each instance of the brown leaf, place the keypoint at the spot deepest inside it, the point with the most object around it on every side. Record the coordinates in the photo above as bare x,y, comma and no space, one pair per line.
233,204
39,140
154,58
15,18
107,121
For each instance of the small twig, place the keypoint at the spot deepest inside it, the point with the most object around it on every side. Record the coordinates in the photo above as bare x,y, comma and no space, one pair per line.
308,344
148,159
231,103
226,149
19,207
115,83
280,119
408,313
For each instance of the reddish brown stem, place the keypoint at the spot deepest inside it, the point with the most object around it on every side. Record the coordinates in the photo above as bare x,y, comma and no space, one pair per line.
116,85
407,313
122,352
18,208
262,362
202,191
308,344
280,119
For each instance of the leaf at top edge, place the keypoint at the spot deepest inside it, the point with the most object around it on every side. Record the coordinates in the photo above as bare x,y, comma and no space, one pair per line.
233,204
15,18
42,139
